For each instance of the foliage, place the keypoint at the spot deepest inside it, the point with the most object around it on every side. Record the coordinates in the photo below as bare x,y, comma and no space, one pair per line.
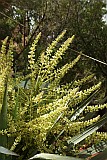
22,20
73,15
40,114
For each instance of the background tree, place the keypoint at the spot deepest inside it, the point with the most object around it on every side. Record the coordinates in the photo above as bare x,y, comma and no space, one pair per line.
82,18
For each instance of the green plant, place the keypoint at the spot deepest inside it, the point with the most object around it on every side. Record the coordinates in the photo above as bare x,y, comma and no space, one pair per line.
41,115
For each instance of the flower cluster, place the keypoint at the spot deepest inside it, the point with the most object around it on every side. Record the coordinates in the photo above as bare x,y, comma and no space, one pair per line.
31,57
38,113
95,107
82,81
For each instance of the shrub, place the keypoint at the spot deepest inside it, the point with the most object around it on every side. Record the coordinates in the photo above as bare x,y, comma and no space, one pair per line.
37,113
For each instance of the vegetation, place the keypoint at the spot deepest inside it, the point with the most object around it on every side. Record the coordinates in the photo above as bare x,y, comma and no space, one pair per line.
53,99
38,113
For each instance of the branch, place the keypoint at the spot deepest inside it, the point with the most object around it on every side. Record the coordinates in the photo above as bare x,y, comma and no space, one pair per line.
12,19
33,34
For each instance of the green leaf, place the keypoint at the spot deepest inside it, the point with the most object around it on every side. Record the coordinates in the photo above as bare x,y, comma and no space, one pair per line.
80,109
76,139
15,111
37,85
25,84
56,121
6,151
89,116
53,157
3,115
3,120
